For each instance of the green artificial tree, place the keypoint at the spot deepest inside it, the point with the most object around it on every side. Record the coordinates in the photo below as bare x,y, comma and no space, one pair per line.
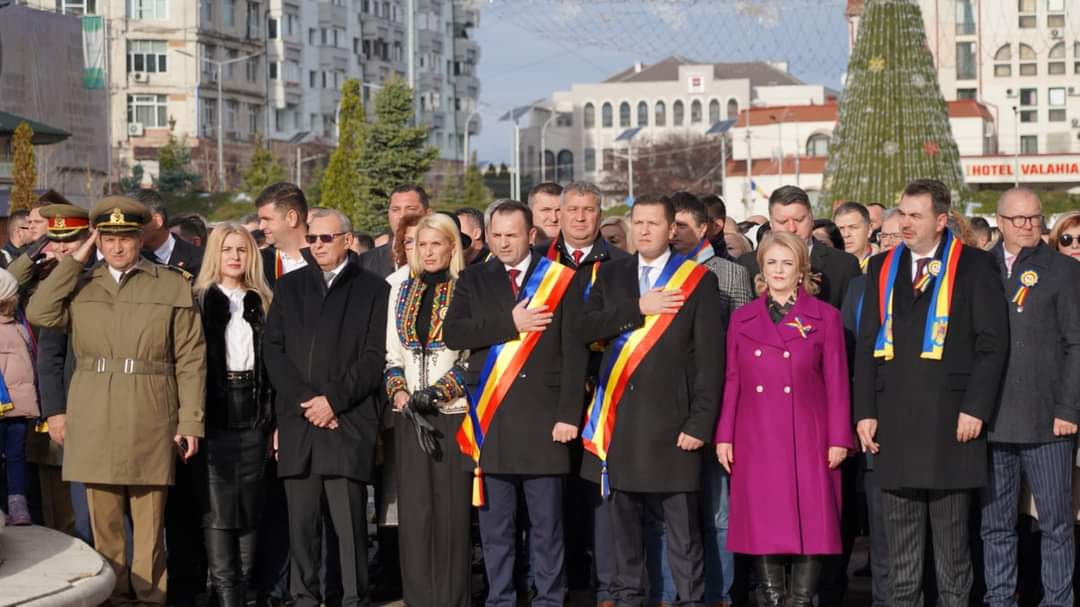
24,169
393,154
263,170
894,122
344,185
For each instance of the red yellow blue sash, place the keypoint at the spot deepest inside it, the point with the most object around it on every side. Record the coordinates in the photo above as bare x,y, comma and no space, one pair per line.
553,255
627,352
279,266
937,318
545,287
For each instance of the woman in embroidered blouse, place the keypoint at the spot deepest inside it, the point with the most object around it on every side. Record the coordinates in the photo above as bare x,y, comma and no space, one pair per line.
233,296
785,424
424,382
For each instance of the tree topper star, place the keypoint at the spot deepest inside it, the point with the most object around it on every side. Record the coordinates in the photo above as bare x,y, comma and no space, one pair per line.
931,148
877,64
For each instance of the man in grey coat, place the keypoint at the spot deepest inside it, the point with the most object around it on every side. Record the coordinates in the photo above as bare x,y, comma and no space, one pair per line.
1036,420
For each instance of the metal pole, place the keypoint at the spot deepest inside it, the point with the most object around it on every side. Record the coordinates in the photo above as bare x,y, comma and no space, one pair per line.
220,128
298,176
723,164
515,179
780,167
410,52
630,168
1016,147
749,168
543,149
798,146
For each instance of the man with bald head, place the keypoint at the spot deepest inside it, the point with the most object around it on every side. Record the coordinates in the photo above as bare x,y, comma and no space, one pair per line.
1035,426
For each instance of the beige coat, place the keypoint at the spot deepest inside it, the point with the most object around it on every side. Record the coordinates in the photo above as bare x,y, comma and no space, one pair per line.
141,372
18,369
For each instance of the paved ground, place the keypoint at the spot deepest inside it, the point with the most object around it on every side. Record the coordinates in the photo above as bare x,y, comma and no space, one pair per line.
45,568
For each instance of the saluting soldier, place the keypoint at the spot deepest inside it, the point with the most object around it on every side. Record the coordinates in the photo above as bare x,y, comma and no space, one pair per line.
140,379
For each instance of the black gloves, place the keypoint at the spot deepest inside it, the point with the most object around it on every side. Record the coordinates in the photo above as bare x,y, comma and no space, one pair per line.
424,401
425,432
34,249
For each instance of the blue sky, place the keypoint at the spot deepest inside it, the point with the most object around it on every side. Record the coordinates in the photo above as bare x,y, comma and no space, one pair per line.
519,64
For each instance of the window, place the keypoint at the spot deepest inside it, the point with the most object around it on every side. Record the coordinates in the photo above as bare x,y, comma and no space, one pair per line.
292,25
148,10
714,111
605,115
1029,144
254,22
230,68
1029,98
77,8
590,160
207,69
642,114
312,36
695,112
588,116
152,111
206,11
965,18
624,114
1026,8
966,94
229,13
207,116
1055,13
677,113
232,111
817,145
1056,66
273,67
732,108
1055,98
1028,67
661,114
146,56
564,119
565,167
251,69
1076,57
965,61
549,165
1003,62
313,79
609,159
271,28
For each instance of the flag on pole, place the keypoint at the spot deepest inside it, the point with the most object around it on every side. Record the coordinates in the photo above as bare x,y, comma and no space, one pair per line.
93,31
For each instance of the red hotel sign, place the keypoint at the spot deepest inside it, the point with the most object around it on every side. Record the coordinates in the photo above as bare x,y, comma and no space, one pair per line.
1064,168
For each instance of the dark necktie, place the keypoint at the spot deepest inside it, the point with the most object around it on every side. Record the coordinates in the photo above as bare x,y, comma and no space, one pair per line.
920,272
577,255
514,273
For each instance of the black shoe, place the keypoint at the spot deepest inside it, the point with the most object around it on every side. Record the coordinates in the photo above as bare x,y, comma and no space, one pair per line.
863,571
385,592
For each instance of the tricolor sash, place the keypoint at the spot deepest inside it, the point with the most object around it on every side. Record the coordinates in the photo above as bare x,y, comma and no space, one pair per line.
5,397
545,287
279,266
702,252
627,352
937,318
553,255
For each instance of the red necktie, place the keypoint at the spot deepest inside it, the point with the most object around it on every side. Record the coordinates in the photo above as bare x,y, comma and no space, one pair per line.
920,271
513,272
577,255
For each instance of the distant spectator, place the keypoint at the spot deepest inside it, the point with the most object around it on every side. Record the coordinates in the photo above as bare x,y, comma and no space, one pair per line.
18,235
19,381
383,238
615,231
362,242
981,234
737,244
826,232
191,228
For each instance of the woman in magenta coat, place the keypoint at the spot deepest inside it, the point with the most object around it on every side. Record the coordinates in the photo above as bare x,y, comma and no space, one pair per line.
785,425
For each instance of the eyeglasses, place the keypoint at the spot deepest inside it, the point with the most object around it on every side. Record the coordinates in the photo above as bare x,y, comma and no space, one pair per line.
1020,221
323,238
1068,240
889,236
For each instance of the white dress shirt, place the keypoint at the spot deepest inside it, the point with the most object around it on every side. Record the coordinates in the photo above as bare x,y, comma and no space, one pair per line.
337,272
915,259
523,267
584,251
239,338
164,252
288,264
116,274
657,266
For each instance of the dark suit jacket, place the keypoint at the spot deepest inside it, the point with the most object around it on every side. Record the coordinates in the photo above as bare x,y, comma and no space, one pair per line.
549,387
676,388
186,256
917,401
55,366
835,267
269,260
1042,380
329,342
379,260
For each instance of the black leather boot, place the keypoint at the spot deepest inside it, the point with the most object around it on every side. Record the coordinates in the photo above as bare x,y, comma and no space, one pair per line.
805,571
223,559
770,574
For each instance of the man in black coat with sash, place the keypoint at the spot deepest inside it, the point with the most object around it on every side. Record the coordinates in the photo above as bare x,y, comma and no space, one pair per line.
925,388
668,406
524,447
325,349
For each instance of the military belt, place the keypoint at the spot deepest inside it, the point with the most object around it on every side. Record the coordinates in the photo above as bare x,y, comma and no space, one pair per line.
125,366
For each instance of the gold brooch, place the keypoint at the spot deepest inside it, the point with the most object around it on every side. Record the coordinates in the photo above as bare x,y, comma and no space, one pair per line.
117,216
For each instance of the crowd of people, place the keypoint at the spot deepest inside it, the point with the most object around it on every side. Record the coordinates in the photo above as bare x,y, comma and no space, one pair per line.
664,408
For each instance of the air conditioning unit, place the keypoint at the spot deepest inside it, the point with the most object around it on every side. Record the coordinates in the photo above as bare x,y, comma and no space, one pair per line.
142,77
1056,34
135,129
1073,91
1076,123
1010,93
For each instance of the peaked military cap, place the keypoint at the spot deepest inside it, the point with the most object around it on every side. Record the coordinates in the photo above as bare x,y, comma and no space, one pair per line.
66,221
117,214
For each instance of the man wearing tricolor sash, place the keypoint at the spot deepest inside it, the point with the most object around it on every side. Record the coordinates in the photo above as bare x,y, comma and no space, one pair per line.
932,347
657,398
519,315
1033,433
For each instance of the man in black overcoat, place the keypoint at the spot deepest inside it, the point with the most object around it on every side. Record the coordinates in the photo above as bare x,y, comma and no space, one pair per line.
325,350
525,447
668,409
924,418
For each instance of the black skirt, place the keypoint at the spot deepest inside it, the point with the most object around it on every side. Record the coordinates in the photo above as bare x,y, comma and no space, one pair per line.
231,465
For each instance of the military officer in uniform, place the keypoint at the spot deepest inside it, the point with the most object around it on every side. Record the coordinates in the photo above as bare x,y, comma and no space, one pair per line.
140,379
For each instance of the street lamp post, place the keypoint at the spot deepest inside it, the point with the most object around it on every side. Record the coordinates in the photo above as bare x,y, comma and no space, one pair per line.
543,146
1016,146
474,114
220,65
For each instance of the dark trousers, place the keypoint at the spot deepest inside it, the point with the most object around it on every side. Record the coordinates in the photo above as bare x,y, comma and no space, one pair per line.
346,500
603,544
682,519
498,528
833,583
184,548
13,432
1048,468
879,545
906,513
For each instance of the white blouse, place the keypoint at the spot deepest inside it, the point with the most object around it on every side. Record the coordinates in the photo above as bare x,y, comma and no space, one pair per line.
239,338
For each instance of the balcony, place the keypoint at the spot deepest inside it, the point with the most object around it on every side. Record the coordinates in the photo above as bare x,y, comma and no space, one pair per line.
332,14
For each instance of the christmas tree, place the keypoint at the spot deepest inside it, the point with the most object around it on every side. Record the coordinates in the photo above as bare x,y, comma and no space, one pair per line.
894,122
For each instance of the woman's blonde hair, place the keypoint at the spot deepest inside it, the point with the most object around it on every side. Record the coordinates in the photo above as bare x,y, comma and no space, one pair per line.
798,248
1066,221
254,279
447,229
